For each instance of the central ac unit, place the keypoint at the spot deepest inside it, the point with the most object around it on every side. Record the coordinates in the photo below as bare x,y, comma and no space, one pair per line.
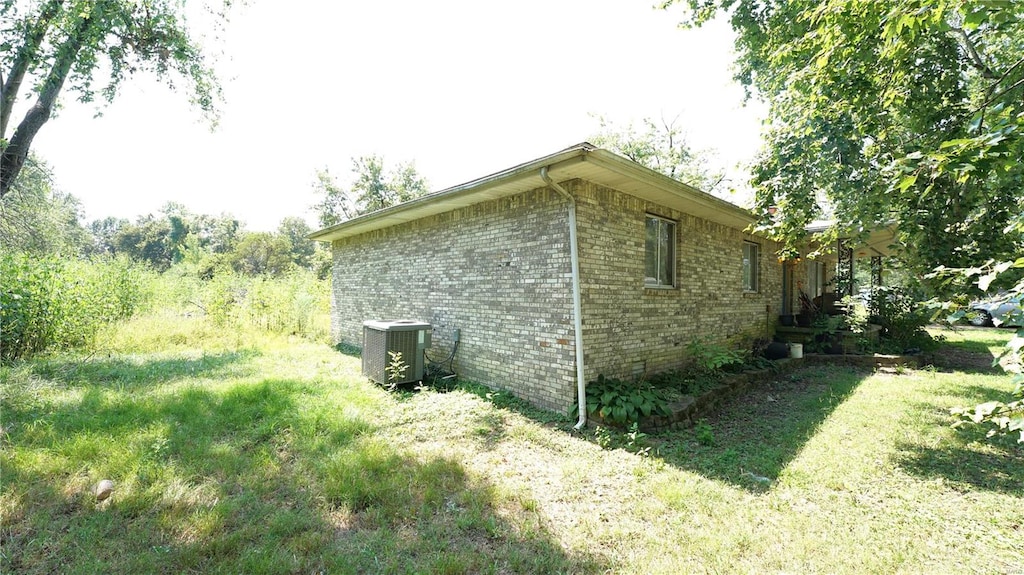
406,337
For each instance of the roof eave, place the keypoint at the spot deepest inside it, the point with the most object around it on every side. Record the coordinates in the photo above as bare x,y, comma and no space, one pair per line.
419,207
641,181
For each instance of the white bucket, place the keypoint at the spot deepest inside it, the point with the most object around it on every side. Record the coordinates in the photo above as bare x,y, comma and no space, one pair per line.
796,350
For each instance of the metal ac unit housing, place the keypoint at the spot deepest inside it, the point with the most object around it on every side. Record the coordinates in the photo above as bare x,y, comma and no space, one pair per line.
407,337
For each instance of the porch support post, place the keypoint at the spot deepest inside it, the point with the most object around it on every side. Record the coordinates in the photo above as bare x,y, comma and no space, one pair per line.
876,271
844,271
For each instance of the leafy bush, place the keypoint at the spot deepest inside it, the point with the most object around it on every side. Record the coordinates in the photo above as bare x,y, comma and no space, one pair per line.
622,402
686,382
290,304
710,358
704,433
708,362
52,303
902,318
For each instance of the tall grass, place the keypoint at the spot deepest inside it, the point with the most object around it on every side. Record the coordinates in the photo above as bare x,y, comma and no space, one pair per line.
51,303
296,303
54,304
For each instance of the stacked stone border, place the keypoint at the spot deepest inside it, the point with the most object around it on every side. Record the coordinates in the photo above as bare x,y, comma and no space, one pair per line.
689,409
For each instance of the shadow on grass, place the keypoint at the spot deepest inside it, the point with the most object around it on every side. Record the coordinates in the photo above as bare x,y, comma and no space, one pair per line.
991,465
973,394
749,440
263,477
967,457
120,372
949,359
349,350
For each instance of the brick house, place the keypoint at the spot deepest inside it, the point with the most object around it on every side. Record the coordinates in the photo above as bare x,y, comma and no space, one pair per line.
659,263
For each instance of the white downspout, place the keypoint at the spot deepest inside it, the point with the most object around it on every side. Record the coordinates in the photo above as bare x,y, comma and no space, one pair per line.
581,383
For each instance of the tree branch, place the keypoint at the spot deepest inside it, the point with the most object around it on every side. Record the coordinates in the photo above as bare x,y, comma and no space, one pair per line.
33,39
16,152
972,52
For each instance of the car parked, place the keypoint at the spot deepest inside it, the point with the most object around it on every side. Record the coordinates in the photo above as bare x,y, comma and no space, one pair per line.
1001,309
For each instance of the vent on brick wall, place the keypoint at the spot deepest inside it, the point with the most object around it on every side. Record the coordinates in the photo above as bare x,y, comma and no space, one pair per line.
407,337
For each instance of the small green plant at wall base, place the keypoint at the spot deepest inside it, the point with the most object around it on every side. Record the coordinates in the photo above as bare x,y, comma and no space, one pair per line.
396,369
636,440
710,358
622,402
703,432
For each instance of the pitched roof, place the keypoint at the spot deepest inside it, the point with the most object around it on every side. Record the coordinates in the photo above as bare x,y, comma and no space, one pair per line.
584,161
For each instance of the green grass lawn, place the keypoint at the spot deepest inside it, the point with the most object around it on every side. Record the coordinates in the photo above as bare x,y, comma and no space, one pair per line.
248,453
977,339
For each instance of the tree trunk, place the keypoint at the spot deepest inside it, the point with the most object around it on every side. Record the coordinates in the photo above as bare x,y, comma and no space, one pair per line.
28,52
16,152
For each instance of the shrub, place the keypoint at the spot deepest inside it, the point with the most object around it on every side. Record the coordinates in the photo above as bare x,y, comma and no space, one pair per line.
52,303
622,402
711,359
902,318
291,304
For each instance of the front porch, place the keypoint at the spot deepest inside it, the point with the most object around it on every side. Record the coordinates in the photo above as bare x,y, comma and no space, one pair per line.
817,286
817,281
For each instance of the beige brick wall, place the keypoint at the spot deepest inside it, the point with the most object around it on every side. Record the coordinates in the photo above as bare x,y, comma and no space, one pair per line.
498,271
629,329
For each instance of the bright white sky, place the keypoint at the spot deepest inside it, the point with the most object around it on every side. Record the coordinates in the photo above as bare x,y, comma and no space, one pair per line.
463,88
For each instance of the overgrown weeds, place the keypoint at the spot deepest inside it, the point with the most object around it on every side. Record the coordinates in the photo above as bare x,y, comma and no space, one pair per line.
49,303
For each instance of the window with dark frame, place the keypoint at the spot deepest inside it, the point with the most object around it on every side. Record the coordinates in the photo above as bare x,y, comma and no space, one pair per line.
660,253
751,265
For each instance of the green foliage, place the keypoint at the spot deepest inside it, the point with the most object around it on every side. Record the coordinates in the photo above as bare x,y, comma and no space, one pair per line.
395,369
904,113
622,402
295,232
708,359
825,329
209,245
372,189
662,147
259,253
631,439
704,433
903,320
296,303
38,219
707,362
1001,417
91,47
265,448
52,303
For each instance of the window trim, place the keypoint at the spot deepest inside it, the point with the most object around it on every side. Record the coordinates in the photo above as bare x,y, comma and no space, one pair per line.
673,240
755,268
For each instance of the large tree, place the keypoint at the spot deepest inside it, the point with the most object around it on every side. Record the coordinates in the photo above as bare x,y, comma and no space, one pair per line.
373,188
90,46
908,112
296,231
662,146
